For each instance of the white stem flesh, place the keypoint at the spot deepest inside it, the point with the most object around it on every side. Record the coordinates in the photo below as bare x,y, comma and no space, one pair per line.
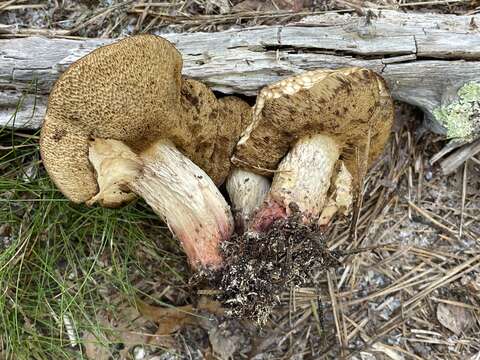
344,190
303,176
177,190
247,192
342,200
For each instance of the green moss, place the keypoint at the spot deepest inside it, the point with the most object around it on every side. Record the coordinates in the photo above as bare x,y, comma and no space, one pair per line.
461,117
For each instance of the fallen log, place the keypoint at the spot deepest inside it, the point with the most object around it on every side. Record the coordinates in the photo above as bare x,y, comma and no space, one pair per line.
425,58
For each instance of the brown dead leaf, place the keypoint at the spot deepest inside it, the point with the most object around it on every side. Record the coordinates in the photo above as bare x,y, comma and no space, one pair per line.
125,329
226,341
455,318
211,306
128,329
5,230
171,319
93,348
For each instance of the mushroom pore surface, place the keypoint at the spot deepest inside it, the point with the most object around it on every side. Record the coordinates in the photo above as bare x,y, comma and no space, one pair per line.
130,98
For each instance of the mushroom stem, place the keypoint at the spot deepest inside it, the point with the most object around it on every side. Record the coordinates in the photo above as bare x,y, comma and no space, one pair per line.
247,192
176,189
342,200
302,178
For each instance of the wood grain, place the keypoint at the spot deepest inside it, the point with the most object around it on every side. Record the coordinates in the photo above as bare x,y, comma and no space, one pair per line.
425,58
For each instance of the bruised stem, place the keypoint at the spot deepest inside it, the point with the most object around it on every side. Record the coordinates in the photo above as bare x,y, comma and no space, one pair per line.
302,178
176,189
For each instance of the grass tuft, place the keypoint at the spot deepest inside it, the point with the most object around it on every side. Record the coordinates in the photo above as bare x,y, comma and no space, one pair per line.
62,263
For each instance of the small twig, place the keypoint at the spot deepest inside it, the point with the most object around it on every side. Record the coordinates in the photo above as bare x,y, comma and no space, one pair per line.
456,303
464,192
425,214
451,145
362,249
434,2
451,275
22,7
209,292
17,146
451,163
101,14
411,305
336,314
143,16
4,6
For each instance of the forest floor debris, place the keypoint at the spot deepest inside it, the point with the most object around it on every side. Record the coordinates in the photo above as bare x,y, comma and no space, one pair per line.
414,293
71,274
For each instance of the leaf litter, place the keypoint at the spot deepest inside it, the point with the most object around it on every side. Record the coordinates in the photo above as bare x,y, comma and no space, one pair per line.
406,202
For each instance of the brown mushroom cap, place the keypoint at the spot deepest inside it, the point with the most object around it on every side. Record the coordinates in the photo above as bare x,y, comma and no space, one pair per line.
226,118
130,91
352,105
233,118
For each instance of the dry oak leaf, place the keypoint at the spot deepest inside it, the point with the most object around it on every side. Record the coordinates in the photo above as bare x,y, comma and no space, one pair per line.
455,318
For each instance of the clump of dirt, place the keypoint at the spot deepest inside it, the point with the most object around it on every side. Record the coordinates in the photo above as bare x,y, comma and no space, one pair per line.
260,267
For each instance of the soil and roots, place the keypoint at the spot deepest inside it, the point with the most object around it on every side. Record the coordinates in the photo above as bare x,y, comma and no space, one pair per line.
260,267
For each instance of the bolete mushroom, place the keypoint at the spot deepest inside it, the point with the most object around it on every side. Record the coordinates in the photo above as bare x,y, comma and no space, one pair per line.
122,122
306,129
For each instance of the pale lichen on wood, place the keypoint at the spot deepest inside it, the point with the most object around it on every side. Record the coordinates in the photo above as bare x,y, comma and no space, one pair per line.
461,117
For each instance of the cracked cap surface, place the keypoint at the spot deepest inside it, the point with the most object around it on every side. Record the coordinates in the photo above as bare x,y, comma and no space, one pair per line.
351,105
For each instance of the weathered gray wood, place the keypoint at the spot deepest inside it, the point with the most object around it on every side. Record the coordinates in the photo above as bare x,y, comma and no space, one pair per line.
454,161
425,58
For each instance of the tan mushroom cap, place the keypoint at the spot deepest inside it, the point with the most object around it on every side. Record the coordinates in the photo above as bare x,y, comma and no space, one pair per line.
130,91
352,105
233,118
226,119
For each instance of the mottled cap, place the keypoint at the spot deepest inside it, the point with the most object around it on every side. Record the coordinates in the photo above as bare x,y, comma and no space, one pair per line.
351,105
215,125
128,91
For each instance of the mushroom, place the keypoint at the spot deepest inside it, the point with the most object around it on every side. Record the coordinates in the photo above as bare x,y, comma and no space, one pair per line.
309,129
122,122
247,191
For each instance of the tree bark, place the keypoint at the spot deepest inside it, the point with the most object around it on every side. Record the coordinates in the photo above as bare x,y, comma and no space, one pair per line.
425,58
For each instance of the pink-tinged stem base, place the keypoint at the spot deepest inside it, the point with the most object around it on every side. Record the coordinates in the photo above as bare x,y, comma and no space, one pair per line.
302,178
268,213
178,191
